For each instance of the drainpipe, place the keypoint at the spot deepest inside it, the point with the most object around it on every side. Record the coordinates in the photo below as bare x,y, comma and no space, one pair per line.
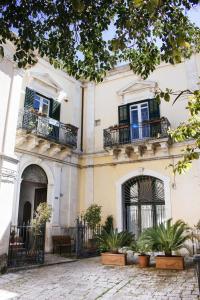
82,118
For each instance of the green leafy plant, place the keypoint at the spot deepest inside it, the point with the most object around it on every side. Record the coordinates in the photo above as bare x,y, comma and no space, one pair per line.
142,247
112,241
166,237
93,216
187,130
71,34
41,216
108,227
197,226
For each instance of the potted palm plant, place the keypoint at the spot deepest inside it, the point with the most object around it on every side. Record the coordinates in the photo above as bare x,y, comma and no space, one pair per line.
167,237
143,258
110,243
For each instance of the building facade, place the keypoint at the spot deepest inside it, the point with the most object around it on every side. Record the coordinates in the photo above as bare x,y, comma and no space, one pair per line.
74,143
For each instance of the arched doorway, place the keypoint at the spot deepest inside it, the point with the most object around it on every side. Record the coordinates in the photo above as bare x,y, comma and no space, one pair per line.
143,203
33,191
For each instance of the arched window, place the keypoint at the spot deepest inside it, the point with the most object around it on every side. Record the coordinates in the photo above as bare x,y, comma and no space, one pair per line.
143,203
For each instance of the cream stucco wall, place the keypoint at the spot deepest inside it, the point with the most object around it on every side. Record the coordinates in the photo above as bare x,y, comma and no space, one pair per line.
62,171
182,202
79,179
101,172
178,78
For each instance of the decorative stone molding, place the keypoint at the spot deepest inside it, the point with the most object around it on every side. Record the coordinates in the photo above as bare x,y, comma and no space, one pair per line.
8,175
138,90
39,145
141,149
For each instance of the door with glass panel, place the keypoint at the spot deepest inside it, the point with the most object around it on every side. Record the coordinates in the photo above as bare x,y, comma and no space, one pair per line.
139,117
41,106
143,203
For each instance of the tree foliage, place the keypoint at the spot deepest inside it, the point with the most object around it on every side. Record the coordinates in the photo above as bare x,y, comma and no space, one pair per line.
188,131
93,215
71,33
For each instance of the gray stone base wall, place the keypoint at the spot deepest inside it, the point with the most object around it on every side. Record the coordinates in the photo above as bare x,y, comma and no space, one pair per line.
3,263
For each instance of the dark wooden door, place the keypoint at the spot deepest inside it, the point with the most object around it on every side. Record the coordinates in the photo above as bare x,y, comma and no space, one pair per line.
27,212
40,196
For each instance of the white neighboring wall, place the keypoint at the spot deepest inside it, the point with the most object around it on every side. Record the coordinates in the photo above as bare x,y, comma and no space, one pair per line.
62,173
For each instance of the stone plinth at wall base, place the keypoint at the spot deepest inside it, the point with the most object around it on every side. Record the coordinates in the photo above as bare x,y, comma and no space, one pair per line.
115,259
170,262
3,263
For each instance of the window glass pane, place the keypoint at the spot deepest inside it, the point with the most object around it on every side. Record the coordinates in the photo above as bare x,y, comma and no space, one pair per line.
134,124
132,219
146,217
145,127
160,213
45,108
158,190
45,101
134,193
36,103
133,107
144,114
144,105
145,189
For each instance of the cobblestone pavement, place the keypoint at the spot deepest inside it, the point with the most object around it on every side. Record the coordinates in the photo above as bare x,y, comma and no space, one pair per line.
88,280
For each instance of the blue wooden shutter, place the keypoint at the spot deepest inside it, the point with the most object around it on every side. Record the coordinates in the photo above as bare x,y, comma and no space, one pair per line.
29,98
154,114
124,124
154,109
123,114
54,111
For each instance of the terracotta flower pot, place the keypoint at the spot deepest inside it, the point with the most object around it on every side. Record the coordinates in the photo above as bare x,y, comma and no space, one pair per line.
144,261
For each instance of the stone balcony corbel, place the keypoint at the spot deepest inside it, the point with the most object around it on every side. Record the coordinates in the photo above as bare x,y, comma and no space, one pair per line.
164,147
20,140
43,146
116,152
139,150
53,150
150,149
64,153
32,142
129,151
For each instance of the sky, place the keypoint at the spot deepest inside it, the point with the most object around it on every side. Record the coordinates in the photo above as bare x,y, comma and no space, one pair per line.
194,15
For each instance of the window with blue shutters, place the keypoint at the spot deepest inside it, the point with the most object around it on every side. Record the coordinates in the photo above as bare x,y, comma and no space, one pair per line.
42,104
132,117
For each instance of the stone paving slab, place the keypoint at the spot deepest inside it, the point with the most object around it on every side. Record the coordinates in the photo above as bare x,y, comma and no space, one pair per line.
88,280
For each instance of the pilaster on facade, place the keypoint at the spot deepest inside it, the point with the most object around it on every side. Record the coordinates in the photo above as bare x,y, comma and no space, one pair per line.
13,101
89,117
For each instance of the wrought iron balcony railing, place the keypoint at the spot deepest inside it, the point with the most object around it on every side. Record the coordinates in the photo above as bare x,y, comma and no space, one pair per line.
131,133
48,128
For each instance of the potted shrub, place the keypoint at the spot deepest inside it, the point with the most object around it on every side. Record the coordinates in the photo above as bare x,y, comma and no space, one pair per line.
93,219
41,216
110,243
108,227
167,237
143,258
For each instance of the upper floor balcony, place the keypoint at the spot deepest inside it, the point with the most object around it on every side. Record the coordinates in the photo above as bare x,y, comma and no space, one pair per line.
137,136
44,134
